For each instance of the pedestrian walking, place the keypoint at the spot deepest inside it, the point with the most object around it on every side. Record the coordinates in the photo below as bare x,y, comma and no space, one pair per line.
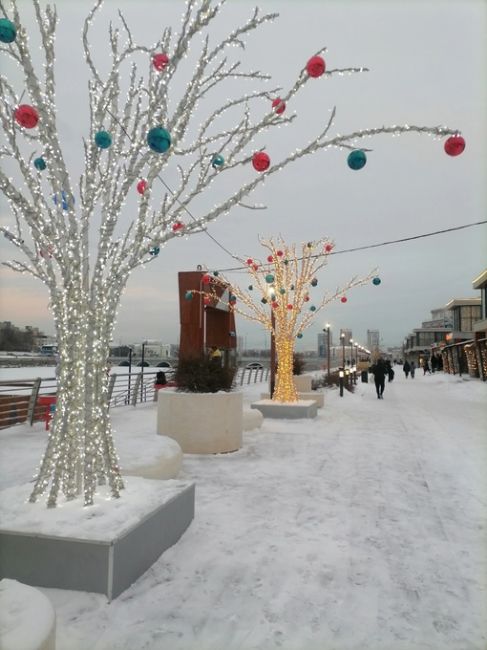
426,367
379,370
407,368
413,369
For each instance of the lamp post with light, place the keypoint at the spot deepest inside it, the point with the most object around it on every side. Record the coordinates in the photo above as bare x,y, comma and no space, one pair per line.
342,338
327,330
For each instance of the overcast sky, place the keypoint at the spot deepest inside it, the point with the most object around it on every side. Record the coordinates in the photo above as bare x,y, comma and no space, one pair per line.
427,65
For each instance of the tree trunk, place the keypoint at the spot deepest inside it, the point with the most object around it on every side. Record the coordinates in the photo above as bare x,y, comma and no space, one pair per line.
80,452
285,390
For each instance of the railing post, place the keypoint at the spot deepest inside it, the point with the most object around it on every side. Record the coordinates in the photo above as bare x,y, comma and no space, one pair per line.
111,384
31,409
136,389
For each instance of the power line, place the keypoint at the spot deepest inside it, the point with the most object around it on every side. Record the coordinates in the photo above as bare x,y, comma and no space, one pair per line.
386,243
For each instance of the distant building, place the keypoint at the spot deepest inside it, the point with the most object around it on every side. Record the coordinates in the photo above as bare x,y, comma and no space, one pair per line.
480,326
465,313
373,340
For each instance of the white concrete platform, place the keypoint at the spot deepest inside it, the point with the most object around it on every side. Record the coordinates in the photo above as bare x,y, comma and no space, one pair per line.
27,618
315,395
286,410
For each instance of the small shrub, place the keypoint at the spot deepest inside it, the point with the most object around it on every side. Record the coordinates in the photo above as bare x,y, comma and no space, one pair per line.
334,381
203,375
298,364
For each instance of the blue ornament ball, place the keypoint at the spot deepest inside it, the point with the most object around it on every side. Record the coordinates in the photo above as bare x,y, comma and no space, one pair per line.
155,250
103,139
40,164
8,31
356,159
217,161
159,139
65,200
299,336
376,281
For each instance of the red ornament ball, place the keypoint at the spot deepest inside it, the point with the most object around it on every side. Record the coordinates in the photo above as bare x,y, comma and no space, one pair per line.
270,258
26,116
160,61
289,306
261,161
278,105
274,305
207,300
250,261
142,186
206,279
343,299
255,267
279,253
328,248
177,226
455,145
306,298
316,66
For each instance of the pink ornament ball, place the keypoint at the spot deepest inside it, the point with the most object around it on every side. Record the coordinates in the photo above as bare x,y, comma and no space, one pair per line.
316,66
142,186
343,299
261,161
278,105
26,116
160,61
455,145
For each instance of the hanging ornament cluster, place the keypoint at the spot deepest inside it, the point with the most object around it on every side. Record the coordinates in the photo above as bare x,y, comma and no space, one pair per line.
103,139
155,250
217,161
8,31
40,164
356,159
142,185
261,161
278,105
160,61
376,281
316,66
159,139
26,116
455,145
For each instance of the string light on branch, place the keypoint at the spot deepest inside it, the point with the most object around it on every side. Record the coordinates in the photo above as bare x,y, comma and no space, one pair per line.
26,116
159,139
455,145
316,66
8,31
261,161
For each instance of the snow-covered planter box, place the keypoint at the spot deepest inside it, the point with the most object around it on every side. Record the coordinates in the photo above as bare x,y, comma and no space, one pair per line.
303,383
27,618
103,548
202,423
286,410
317,396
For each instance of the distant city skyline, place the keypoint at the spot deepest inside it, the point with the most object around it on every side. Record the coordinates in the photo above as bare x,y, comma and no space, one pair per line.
408,187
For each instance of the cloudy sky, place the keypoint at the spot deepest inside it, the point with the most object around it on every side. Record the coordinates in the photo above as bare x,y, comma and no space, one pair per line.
427,62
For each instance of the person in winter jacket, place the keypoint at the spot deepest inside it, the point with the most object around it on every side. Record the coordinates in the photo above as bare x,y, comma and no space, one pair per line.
379,370
406,367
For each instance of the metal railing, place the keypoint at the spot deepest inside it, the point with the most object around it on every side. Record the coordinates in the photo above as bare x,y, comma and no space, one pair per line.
22,400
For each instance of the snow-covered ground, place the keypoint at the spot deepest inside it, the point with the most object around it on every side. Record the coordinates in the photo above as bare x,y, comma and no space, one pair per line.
362,529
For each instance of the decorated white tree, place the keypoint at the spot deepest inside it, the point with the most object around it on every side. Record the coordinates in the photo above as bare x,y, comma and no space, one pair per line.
280,298
80,239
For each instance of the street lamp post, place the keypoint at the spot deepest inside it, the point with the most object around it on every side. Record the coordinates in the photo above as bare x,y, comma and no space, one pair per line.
327,330
131,350
351,352
142,371
342,337
340,379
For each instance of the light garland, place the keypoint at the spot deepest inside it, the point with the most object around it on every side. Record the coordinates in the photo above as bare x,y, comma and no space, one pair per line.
85,271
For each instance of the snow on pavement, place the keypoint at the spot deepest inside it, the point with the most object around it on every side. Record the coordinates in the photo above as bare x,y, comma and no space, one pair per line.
361,529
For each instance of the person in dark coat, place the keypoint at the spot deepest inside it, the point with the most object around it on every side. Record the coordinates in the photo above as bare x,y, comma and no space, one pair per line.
379,370
406,367
390,371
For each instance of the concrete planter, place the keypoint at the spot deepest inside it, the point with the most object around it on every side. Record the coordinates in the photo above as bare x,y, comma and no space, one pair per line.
302,383
202,423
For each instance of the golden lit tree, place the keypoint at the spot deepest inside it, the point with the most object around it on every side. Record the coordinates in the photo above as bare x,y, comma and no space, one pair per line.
279,298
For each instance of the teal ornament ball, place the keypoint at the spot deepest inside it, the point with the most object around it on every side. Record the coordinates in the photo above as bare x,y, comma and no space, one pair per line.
356,159
103,139
159,139
217,161
251,288
282,291
312,308
188,295
299,336
216,273
314,282
376,281
40,164
154,251
269,278
8,31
